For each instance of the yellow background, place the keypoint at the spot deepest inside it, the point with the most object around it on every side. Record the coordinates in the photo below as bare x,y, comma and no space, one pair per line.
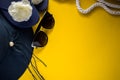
80,47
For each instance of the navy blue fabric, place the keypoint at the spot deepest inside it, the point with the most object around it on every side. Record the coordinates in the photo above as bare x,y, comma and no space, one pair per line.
14,60
4,4
42,6
3,40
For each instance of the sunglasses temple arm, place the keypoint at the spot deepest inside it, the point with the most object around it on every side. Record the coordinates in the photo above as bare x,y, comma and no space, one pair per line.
38,28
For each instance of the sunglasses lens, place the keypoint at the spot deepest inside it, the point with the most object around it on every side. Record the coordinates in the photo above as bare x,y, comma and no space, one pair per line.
48,21
40,40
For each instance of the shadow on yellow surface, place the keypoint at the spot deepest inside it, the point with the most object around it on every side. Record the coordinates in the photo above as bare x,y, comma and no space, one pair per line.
80,47
65,1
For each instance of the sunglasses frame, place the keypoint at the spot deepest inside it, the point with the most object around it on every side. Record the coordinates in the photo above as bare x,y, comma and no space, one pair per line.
46,13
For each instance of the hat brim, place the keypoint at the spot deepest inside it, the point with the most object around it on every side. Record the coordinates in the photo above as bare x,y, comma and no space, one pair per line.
25,24
42,6
14,60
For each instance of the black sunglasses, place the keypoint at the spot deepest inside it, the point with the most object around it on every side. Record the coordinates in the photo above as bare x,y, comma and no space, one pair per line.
40,38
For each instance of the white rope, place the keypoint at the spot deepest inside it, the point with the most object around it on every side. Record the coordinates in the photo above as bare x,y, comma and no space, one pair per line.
110,4
100,3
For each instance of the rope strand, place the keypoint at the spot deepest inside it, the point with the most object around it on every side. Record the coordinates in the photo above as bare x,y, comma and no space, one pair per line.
99,3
